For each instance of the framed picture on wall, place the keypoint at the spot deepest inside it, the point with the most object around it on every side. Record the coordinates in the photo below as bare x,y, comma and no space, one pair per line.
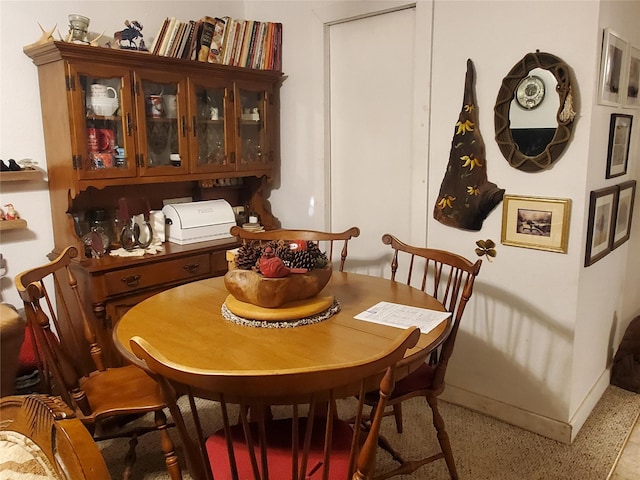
613,56
535,222
602,212
626,197
632,99
619,141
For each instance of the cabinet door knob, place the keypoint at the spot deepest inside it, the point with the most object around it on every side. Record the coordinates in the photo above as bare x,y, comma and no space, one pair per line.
131,280
192,267
184,126
193,123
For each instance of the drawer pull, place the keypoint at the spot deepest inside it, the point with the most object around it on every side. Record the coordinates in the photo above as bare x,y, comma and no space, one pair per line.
131,280
192,267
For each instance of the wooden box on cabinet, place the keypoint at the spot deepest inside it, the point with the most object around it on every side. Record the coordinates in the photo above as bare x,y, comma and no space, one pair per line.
218,122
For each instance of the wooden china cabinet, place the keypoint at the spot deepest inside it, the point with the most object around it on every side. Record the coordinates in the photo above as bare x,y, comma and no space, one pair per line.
214,135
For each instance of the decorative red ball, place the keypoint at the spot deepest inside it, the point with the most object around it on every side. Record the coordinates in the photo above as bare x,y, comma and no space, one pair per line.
298,245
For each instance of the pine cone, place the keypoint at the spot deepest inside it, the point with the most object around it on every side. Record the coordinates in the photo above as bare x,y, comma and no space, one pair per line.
303,259
247,256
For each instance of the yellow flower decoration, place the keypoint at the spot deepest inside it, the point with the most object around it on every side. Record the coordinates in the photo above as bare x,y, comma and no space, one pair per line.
470,162
446,201
473,190
469,108
464,127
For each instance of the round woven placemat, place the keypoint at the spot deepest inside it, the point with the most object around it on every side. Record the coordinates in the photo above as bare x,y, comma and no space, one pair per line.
333,308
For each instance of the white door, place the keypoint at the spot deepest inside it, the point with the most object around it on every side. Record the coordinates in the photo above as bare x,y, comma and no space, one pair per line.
371,112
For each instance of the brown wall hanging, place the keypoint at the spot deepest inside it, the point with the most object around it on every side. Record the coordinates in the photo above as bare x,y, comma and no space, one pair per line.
466,196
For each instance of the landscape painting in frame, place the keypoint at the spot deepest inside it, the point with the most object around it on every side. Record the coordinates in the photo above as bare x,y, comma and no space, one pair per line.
536,222
614,51
619,142
632,99
626,197
602,210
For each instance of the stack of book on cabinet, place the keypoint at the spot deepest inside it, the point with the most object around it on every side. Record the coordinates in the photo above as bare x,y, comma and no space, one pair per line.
241,43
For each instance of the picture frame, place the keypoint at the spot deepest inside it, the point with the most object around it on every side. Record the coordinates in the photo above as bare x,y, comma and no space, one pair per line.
624,213
536,222
612,63
619,142
602,212
632,97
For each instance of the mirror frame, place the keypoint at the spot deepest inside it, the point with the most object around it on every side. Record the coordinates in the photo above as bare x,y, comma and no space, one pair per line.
564,117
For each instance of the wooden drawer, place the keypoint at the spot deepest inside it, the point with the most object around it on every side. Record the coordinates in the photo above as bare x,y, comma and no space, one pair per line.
145,276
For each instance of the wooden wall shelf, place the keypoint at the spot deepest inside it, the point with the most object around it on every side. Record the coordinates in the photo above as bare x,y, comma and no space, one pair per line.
12,224
21,176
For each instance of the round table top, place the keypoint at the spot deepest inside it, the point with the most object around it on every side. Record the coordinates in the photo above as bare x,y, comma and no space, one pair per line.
186,325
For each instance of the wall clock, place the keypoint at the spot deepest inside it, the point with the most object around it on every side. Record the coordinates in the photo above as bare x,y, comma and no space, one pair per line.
530,92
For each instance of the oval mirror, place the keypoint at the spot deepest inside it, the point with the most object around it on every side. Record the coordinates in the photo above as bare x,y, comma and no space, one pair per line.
534,112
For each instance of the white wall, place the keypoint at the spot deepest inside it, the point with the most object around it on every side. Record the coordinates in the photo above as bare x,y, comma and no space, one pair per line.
541,328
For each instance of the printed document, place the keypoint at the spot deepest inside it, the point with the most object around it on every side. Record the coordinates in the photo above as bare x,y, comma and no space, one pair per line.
403,316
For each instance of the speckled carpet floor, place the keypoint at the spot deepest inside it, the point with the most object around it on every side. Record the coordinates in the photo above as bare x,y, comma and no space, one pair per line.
484,448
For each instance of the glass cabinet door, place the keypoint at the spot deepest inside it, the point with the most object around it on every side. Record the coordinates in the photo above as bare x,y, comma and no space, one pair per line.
252,110
211,118
162,126
103,140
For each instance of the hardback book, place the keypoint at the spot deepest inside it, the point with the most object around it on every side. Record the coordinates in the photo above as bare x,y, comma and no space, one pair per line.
168,38
268,60
155,45
216,48
186,40
166,41
206,37
237,41
246,43
229,41
258,61
255,45
240,39
195,41
173,48
277,51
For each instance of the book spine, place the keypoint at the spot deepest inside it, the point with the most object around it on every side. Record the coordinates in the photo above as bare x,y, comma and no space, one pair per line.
195,41
230,42
206,37
268,62
167,38
155,46
176,40
186,44
262,39
252,45
246,43
238,46
215,51
278,48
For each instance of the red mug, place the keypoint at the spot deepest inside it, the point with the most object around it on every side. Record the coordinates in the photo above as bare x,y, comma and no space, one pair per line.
106,139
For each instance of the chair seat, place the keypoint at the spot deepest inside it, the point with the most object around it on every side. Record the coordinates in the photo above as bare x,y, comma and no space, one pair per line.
279,439
124,388
419,379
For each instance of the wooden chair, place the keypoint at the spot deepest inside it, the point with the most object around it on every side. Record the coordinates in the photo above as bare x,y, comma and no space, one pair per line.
449,278
40,437
311,443
105,399
322,239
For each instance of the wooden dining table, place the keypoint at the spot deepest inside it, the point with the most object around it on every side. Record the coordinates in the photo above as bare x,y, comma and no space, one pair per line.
187,326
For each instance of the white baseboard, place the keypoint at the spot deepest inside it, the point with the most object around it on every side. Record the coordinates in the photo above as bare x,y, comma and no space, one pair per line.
589,402
558,430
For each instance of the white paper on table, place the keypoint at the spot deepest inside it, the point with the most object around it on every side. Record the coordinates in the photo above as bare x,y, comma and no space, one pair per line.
403,316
